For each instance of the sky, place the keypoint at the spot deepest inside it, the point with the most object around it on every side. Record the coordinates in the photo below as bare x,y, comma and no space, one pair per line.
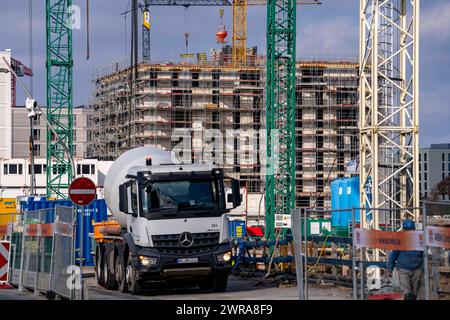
324,31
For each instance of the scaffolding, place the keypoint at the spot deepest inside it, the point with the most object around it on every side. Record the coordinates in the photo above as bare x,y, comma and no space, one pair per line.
326,128
193,100
175,100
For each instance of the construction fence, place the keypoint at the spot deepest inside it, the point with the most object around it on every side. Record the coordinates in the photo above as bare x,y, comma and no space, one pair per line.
42,252
361,258
354,255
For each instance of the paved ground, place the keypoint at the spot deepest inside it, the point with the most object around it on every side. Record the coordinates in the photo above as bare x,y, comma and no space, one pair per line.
14,294
237,289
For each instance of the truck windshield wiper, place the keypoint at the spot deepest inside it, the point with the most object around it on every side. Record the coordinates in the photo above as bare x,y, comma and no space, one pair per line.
169,214
187,205
162,209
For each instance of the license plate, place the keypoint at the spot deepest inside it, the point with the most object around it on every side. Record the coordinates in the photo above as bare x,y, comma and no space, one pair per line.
187,260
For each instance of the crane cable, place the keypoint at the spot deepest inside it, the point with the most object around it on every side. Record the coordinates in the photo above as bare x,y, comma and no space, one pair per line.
30,39
87,31
125,26
186,27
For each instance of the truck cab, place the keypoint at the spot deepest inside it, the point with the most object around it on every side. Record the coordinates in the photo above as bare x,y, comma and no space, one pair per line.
176,229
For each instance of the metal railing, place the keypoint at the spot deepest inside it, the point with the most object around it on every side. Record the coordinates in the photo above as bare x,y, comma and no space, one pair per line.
366,264
42,252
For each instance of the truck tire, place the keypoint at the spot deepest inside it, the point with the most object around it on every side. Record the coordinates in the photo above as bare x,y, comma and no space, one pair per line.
220,284
99,265
109,277
120,275
134,285
215,284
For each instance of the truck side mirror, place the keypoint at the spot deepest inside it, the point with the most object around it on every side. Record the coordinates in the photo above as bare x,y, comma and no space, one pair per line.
236,193
123,198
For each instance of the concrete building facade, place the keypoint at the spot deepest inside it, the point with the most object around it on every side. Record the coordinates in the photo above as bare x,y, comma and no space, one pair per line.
21,134
434,166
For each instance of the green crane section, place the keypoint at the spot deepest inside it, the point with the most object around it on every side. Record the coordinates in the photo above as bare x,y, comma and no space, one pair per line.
59,95
280,111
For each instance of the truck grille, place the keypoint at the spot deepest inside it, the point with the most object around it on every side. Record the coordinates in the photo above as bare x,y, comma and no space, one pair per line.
203,242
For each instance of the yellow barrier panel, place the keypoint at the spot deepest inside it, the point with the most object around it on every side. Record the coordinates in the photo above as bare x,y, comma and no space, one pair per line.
7,210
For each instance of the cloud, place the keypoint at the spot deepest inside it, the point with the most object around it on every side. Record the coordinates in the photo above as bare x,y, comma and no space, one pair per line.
435,21
434,114
332,37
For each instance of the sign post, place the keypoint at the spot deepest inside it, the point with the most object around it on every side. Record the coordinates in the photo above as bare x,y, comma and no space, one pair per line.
82,192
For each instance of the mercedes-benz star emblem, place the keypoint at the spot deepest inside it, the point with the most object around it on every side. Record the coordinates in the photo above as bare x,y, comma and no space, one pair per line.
186,239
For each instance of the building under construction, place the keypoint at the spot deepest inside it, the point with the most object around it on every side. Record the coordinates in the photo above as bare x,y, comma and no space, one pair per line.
170,102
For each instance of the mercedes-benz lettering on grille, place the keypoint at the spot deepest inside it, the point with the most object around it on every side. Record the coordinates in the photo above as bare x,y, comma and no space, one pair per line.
186,243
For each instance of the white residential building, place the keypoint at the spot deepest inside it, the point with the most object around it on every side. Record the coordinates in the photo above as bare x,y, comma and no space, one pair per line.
15,175
5,106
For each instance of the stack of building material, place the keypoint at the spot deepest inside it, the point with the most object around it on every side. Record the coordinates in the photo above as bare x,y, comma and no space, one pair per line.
441,258
444,283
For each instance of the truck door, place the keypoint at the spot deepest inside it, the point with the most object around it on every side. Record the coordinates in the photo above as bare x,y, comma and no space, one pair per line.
136,223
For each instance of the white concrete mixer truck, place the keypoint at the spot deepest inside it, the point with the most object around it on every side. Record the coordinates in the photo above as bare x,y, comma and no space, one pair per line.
170,224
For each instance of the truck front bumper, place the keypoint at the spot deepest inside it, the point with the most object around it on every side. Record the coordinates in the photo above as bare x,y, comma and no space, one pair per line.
168,266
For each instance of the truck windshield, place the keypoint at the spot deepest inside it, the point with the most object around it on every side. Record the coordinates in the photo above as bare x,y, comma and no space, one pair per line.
176,196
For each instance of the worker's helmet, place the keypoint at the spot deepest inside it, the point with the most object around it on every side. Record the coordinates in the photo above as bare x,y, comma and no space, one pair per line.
408,224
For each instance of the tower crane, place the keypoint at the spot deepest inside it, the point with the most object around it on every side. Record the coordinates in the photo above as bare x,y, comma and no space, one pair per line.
280,111
239,39
59,96
389,110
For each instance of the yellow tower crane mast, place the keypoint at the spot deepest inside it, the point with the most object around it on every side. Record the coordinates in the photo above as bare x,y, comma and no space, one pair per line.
239,32
240,26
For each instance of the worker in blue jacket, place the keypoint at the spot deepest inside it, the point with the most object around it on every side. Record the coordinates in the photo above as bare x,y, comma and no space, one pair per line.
409,265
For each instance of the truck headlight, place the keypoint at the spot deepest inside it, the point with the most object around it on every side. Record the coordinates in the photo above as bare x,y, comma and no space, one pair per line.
148,261
224,257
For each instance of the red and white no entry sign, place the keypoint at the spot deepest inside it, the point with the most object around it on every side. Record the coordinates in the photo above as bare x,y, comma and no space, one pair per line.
82,191
4,261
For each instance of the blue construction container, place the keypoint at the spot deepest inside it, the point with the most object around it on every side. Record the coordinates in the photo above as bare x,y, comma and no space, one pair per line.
344,195
354,197
237,229
335,202
343,202
95,212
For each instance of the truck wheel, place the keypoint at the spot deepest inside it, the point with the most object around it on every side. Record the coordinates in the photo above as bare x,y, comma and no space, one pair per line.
109,278
220,284
134,285
120,275
215,284
99,265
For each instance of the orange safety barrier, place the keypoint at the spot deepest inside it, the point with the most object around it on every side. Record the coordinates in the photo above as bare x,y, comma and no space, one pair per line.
389,240
439,237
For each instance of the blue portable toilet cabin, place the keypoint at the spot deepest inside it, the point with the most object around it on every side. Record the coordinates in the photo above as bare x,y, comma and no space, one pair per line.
353,198
335,202
344,195
343,202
